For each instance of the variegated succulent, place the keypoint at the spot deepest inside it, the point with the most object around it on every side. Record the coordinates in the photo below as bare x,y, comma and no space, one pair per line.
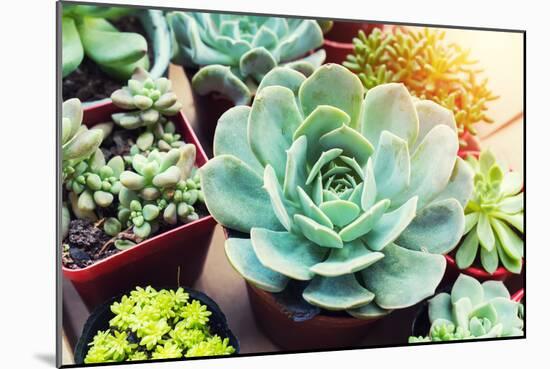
494,217
148,101
235,52
473,311
356,195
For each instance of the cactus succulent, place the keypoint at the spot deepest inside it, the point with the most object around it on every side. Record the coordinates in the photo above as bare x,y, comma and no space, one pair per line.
357,196
494,217
163,186
149,100
473,311
235,52
430,67
87,30
78,142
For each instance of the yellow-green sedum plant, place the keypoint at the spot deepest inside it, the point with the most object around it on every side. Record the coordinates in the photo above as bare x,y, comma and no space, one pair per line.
235,52
494,217
473,310
357,196
429,66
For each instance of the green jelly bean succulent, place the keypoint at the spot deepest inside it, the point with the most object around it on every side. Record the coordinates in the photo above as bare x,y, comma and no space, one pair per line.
165,324
162,185
429,66
95,183
356,195
149,100
494,217
87,30
78,143
473,311
235,52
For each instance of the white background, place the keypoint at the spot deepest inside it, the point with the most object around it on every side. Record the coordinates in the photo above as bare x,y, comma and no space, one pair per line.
27,181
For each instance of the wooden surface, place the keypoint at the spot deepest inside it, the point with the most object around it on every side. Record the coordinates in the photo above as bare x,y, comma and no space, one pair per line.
501,55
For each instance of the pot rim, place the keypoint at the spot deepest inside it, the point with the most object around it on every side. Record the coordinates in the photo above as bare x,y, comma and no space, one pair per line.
153,240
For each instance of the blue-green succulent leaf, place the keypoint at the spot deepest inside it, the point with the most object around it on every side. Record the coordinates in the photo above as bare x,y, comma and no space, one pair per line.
318,233
430,115
369,311
392,167
244,204
219,78
271,185
439,307
461,184
296,168
509,240
492,289
305,37
370,189
362,225
73,53
256,63
286,253
437,228
340,212
311,210
467,287
403,277
284,77
507,312
353,257
242,257
349,140
337,293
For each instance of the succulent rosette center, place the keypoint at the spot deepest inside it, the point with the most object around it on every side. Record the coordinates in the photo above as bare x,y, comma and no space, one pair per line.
356,195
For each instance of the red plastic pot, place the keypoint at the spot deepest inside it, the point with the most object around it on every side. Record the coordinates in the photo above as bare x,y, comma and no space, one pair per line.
320,332
175,257
338,41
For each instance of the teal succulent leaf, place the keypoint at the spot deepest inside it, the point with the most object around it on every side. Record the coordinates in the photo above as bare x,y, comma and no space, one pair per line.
234,51
473,310
324,205
494,217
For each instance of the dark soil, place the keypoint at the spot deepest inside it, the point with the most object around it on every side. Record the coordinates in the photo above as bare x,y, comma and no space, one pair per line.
88,82
118,142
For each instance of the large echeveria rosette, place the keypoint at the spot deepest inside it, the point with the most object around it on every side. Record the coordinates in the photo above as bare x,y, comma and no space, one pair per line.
359,197
235,52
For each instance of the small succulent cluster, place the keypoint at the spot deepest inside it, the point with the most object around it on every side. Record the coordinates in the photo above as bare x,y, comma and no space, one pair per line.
494,217
148,101
430,67
87,30
155,184
235,52
150,324
473,311
356,196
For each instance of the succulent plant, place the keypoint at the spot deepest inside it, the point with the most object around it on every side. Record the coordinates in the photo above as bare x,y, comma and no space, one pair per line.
494,217
94,183
87,30
164,324
147,99
357,196
473,311
78,142
162,185
235,52
430,67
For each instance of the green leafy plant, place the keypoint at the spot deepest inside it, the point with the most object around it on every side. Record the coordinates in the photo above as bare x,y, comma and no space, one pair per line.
165,324
494,217
430,67
235,52
162,185
357,196
472,311
149,100
87,30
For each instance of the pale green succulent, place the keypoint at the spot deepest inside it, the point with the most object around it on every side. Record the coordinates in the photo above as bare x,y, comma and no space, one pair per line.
78,142
163,186
494,217
473,311
147,99
358,196
235,52
87,30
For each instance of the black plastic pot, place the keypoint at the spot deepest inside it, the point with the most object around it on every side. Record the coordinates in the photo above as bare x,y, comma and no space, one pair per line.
99,321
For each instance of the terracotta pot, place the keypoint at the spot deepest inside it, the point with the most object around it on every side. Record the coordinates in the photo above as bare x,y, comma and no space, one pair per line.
338,42
173,257
100,317
320,332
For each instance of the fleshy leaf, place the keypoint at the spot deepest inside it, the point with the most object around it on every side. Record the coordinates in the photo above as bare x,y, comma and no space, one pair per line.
467,251
467,287
311,210
286,253
439,307
492,289
403,277
340,212
485,233
489,259
242,257
257,62
353,257
296,168
392,168
276,195
437,228
507,312
511,184
242,205
365,222
285,77
219,78
509,240
369,311
73,53
337,293
345,92
430,115
317,233
513,265
349,140
461,184
389,107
